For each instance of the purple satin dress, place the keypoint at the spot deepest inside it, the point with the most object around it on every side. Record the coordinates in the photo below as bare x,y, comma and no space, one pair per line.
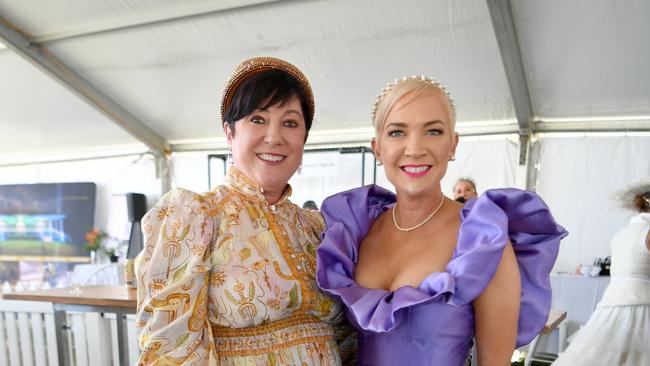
433,324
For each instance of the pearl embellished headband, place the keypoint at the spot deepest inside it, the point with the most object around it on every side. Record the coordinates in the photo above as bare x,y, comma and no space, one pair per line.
396,82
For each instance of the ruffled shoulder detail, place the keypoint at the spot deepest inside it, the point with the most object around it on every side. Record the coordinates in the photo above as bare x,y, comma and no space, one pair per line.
486,225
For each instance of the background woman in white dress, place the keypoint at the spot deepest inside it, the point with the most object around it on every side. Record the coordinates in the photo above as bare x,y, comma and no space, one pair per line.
618,332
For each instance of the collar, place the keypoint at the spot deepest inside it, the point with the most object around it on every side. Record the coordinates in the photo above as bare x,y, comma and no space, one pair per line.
238,181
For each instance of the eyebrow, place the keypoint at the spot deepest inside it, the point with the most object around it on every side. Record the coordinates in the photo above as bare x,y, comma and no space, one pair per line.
403,124
293,111
286,112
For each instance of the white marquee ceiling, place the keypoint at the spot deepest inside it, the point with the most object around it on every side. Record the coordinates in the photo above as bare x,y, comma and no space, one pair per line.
164,63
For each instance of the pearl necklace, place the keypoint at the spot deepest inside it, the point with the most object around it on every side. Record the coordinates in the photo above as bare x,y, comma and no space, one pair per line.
407,229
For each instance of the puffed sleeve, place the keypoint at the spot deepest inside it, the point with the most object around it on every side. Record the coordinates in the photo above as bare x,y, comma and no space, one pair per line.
173,273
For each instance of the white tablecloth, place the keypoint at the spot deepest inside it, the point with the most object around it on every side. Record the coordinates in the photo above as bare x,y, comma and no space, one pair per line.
578,296
98,274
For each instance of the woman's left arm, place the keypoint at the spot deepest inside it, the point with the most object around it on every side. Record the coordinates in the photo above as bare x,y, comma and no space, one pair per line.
496,313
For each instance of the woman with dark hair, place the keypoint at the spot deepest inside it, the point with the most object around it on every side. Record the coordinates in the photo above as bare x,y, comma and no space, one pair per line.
618,331
228,276
421,275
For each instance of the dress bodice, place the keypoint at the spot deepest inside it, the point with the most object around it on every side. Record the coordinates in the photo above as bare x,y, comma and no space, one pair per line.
630,256
630,270
433,324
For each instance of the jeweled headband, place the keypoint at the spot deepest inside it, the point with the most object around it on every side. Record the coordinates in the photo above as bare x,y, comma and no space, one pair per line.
396,82
256,65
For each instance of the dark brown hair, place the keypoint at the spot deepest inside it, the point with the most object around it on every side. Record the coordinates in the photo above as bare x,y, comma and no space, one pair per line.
264,90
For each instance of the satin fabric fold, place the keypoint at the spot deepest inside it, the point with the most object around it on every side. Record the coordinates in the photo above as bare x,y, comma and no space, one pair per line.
434,323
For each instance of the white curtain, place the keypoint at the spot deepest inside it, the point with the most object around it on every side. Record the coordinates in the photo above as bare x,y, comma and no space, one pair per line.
578,178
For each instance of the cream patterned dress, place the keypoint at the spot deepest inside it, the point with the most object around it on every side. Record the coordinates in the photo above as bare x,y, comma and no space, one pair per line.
227,279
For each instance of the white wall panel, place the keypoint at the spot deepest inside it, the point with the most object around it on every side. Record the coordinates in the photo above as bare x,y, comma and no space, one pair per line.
578,179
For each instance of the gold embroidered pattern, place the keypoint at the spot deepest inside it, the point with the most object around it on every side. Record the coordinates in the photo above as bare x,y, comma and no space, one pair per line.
271,337
221,265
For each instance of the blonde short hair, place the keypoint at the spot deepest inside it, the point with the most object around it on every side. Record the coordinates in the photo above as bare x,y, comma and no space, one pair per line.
413,87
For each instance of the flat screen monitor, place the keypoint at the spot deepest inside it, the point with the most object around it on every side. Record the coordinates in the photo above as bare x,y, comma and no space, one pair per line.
46,222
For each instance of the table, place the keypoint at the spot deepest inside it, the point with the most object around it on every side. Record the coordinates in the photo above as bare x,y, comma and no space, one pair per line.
554,320
120,300
577,295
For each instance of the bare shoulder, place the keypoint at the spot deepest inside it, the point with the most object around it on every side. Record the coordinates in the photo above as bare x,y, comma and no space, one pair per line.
452,215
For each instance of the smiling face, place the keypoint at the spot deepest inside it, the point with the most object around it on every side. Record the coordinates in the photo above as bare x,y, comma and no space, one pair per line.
268,145
415,143
465,189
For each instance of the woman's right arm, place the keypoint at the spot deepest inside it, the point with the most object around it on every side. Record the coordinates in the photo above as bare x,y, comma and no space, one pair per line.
173,272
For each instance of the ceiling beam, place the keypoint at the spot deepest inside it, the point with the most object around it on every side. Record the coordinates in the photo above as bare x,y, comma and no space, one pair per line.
154,17
506,34
57,70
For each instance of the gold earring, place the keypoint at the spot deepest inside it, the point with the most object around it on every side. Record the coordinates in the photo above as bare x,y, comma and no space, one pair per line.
452,157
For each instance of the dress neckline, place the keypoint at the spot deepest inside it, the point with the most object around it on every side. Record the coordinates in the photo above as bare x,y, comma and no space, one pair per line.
238,181
427,278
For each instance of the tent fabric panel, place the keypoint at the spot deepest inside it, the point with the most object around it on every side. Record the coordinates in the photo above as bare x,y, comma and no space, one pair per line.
586,58
579,178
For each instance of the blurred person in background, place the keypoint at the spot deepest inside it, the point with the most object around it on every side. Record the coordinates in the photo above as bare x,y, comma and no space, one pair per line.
618,331
464,190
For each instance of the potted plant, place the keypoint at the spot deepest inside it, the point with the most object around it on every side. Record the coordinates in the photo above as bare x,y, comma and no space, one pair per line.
94,240
110,248
97,239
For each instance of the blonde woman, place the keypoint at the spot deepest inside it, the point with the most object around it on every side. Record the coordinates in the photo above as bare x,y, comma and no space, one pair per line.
421,275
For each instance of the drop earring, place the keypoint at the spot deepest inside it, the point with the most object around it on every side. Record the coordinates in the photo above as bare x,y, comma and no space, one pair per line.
229,161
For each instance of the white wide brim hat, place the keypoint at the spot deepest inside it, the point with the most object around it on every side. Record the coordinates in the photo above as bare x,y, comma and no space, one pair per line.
626,196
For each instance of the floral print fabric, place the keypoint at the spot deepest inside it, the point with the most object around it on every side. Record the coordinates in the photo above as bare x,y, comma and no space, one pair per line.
227,279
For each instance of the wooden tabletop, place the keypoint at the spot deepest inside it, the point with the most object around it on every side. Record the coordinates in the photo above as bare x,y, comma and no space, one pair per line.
115,296
555,317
